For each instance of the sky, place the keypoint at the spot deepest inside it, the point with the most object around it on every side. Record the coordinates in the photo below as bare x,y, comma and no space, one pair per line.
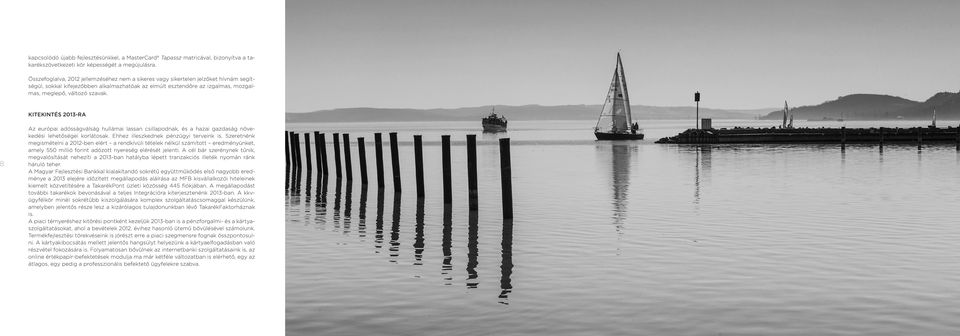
738,54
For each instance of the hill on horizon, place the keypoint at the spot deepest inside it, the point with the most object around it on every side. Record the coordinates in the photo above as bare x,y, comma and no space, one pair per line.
524,112
877,107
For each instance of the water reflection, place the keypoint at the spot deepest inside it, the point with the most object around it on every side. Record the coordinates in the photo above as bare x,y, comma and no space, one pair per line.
309,183
347,205
341,211
336,206
395,230
472,249
621,183
297,179
701,169
362,224
506,265
447,244
321,203
378,235
286,187
418,242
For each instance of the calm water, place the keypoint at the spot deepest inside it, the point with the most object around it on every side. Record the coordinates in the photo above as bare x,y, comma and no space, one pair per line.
631,238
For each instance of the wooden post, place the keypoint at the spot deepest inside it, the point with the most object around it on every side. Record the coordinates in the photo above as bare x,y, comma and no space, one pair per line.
418,159
395,154
472,170
306,148
378,143
506,184
919,138
286,146
843,137
447,178
321,156
297,170
296,149
881,138
348,167
293,151
363,161
336,153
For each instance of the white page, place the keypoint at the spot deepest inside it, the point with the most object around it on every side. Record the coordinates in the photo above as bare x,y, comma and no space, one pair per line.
214,297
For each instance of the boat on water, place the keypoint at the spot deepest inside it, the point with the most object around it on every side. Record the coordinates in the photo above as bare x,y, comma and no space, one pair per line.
786,110
494,123
616,121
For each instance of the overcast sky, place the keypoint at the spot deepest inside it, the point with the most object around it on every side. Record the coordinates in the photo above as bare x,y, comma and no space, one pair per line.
739,54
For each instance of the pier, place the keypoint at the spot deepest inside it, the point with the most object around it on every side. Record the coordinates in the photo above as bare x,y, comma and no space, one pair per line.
842,136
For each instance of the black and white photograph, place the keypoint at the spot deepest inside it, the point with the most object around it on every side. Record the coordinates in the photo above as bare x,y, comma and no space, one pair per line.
735,167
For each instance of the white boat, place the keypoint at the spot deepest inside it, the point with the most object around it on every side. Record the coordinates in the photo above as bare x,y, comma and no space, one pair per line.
616,121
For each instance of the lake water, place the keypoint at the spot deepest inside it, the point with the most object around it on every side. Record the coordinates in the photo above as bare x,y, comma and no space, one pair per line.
630,238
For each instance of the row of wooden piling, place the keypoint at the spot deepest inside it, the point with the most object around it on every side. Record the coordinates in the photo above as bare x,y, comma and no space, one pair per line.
294,163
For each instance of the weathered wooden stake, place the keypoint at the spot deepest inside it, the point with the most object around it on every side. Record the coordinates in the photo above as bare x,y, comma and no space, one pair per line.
306,148
293,150
395,154
336,153
472,170
447,177
363,161
286,146
348,168
418,159
296,146
506,184
297,168
843,137
881,138
321,148
919,138
378,143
